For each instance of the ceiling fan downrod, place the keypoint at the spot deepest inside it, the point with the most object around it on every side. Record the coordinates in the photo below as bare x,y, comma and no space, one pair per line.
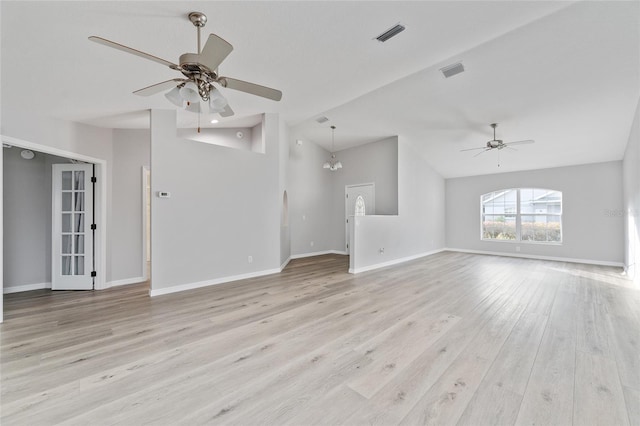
199,20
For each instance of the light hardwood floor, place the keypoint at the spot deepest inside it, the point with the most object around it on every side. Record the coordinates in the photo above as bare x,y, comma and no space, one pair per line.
448,339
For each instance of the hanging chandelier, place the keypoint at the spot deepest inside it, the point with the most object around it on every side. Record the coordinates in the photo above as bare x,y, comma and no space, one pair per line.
332,164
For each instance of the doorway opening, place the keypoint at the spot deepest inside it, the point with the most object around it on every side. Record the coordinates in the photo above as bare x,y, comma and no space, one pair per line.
27,251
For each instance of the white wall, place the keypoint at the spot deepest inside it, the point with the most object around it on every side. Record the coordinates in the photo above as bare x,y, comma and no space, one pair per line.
416,231
131,151
224,207
224,137
591,197
310,197
631,210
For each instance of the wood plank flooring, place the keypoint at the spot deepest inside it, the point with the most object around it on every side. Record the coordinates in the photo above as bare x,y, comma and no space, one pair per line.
448,339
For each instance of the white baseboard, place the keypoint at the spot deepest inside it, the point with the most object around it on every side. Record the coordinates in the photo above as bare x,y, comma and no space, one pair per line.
285,263
317,253
26,287
200,284
537,257
125,281
393,262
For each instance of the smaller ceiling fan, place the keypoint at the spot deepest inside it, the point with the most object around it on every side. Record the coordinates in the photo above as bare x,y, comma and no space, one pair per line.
200,74
497,143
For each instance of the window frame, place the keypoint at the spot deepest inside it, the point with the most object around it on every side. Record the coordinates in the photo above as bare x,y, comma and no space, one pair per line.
518,217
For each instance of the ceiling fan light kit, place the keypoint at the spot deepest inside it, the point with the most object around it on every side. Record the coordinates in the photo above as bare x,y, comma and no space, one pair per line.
174,97
199,86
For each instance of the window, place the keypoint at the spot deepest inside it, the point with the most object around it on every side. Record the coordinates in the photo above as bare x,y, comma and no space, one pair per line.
360,207
522,214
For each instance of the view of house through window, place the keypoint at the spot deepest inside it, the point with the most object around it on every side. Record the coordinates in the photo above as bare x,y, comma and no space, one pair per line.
522,214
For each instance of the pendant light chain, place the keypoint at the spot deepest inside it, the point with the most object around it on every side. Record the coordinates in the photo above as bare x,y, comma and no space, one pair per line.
332,164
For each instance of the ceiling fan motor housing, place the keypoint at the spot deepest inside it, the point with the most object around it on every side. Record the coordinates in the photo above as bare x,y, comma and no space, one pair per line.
190,65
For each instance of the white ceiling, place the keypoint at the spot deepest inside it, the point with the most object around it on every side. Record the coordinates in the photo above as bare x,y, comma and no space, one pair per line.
563,73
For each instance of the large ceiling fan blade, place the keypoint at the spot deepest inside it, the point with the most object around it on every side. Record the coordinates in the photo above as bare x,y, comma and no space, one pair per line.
215,50
136,52
482,152
472,149
226,112
520,142
159,87
254,89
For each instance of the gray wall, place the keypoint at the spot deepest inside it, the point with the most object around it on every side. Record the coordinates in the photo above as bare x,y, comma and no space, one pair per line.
285,229
70,137
591,195
131,151
224,207
375,162
417,230
631,210
27,219
316,195
26,213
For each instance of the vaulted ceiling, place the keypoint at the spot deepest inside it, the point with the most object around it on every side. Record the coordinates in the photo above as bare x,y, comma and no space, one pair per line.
566,74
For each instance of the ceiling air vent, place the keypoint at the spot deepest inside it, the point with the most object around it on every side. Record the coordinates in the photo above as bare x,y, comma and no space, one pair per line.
391,32
322,119
453,69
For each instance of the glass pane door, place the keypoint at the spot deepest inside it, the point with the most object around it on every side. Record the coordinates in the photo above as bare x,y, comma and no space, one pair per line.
73,219
72,237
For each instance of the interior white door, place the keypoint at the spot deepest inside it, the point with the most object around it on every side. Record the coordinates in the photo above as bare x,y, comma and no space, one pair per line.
359,201
72,237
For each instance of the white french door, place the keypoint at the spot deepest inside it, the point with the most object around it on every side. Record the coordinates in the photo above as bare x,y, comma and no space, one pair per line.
359,201
72,236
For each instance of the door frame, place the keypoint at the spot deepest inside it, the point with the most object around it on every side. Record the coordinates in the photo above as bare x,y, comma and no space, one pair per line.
146,189
100,196
346,218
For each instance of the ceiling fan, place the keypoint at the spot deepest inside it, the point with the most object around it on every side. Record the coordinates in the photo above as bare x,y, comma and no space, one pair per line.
200,74
497,143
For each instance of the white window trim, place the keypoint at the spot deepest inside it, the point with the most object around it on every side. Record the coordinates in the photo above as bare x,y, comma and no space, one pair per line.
518,217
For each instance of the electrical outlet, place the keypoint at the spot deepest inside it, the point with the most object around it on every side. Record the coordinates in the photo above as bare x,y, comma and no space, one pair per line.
250,259
311,243
381,250
518,248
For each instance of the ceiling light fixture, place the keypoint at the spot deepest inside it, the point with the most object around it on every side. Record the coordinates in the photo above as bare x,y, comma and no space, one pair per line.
332,164
27,154
189,92
197,90
174,97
